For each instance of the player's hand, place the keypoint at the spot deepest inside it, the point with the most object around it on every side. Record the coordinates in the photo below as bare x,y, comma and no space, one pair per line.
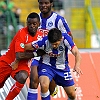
40,52
14,65
78,71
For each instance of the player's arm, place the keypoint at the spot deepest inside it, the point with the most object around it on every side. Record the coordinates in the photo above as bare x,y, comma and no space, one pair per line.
77,55
70,35
14,64
73,48
21,56
64,27
36,44
24,55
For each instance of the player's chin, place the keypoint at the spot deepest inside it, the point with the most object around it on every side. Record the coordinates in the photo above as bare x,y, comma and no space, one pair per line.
44,11
32,33
33,30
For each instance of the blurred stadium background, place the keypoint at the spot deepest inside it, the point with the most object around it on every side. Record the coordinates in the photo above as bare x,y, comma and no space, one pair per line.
83,17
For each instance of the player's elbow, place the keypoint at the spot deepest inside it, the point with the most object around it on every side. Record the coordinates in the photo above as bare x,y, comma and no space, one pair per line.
20,55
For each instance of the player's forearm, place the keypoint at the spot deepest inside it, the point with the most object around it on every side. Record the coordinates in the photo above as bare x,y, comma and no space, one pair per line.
77,55
24,55
78,59
77,68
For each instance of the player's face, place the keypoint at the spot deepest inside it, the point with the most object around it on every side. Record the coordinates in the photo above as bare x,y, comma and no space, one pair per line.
45,6
56,44
33,24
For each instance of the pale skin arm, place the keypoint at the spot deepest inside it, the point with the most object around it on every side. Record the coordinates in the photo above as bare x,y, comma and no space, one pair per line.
77,55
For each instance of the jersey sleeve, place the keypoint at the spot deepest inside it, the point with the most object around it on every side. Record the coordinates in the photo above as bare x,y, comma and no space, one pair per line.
20,42
62,25
68,42
40,44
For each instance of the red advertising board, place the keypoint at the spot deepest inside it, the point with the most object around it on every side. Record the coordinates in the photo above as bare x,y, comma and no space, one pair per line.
88,84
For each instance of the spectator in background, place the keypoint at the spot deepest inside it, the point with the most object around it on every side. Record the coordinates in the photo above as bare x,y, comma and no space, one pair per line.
58,6
9,5
2,16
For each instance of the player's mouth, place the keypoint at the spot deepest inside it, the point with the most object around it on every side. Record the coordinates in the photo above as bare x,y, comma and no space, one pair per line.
32,30
44,9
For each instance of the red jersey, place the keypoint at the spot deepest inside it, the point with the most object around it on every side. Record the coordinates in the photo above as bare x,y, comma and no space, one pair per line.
17,44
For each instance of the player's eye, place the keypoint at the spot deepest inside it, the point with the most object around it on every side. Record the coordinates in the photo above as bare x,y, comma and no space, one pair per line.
46,3
34,23
29,23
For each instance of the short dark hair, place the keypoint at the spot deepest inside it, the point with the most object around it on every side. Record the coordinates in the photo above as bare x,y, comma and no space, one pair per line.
54,35
51,1
33,15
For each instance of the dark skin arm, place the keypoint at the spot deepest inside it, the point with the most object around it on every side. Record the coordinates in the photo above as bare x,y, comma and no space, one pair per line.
25,55
21,56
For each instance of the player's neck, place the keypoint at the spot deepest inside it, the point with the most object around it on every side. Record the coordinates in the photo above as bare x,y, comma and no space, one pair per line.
46,15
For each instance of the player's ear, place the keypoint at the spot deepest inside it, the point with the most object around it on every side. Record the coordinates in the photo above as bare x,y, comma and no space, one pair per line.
51,4
38,23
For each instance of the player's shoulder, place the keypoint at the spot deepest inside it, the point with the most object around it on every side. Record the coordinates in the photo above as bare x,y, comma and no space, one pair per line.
58,18
22,32
58,15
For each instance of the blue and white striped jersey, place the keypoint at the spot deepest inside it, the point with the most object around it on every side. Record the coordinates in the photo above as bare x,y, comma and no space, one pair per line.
55,57
53,21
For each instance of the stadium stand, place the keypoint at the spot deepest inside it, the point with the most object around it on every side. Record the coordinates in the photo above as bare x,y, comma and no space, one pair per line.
26,7
84,22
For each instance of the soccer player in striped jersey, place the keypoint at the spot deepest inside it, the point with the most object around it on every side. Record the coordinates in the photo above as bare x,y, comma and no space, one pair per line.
55,64
48,20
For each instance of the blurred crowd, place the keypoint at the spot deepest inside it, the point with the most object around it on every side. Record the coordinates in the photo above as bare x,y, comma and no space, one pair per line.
9,9
58,7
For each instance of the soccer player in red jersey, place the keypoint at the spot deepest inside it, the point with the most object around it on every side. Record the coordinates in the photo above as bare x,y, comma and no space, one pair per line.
20,71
